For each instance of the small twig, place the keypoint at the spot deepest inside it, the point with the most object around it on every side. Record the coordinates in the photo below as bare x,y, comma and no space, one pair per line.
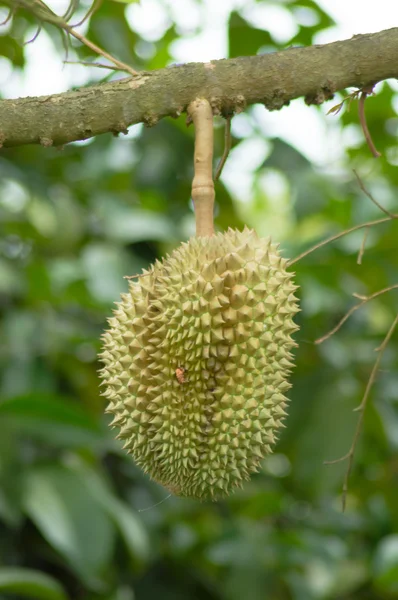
361,111
87,63
337,108
336,460
371,198
362,119
380,349
349,456
73,5
34,37
201,114
95,6
363,245
361,409
121,65
43,13
338,236
364,300
66,43
9,16
227,148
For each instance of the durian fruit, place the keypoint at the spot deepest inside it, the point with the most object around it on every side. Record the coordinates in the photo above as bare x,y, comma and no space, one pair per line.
197,359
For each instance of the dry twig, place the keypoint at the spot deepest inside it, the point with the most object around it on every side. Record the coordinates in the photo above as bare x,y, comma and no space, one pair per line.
364,300
34,38
227,148
43,13
384,210
95,6
363,94
87,63
119,64
338,236
362,118
367,225
9,16
349,456
361,409
363,245
371,198
73,5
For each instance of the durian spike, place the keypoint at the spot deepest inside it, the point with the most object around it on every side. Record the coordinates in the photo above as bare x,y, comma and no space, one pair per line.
202,185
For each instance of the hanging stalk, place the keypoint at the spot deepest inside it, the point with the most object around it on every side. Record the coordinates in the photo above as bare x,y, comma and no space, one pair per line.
202,185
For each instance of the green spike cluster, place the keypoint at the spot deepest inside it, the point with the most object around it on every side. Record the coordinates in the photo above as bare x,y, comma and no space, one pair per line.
218,310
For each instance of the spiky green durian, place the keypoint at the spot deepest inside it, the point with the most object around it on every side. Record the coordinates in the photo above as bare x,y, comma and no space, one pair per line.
196,362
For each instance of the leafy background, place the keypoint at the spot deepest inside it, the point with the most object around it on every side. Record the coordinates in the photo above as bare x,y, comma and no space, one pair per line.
74,222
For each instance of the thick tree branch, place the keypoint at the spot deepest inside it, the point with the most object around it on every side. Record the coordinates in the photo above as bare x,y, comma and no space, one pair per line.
274,79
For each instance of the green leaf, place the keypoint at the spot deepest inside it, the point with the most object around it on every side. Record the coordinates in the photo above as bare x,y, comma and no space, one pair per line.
325,20
130,528
123,223
10,48
30,584
245,40
10,279
385,564
129,525
113,264
71,519
51,419
11,475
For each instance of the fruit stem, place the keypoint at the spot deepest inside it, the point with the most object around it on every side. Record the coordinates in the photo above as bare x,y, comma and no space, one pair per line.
202,185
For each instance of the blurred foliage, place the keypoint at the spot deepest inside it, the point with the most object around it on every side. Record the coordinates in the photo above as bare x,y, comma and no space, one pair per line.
73,223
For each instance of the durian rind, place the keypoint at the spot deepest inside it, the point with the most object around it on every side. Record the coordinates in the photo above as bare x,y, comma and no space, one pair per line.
221,309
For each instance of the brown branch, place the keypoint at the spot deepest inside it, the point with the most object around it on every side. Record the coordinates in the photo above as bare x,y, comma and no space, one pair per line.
333,238
118,63
364,300
230,85
361,409
364,124
202,185
227,148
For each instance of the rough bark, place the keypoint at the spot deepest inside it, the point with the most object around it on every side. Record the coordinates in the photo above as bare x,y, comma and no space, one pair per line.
274,79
